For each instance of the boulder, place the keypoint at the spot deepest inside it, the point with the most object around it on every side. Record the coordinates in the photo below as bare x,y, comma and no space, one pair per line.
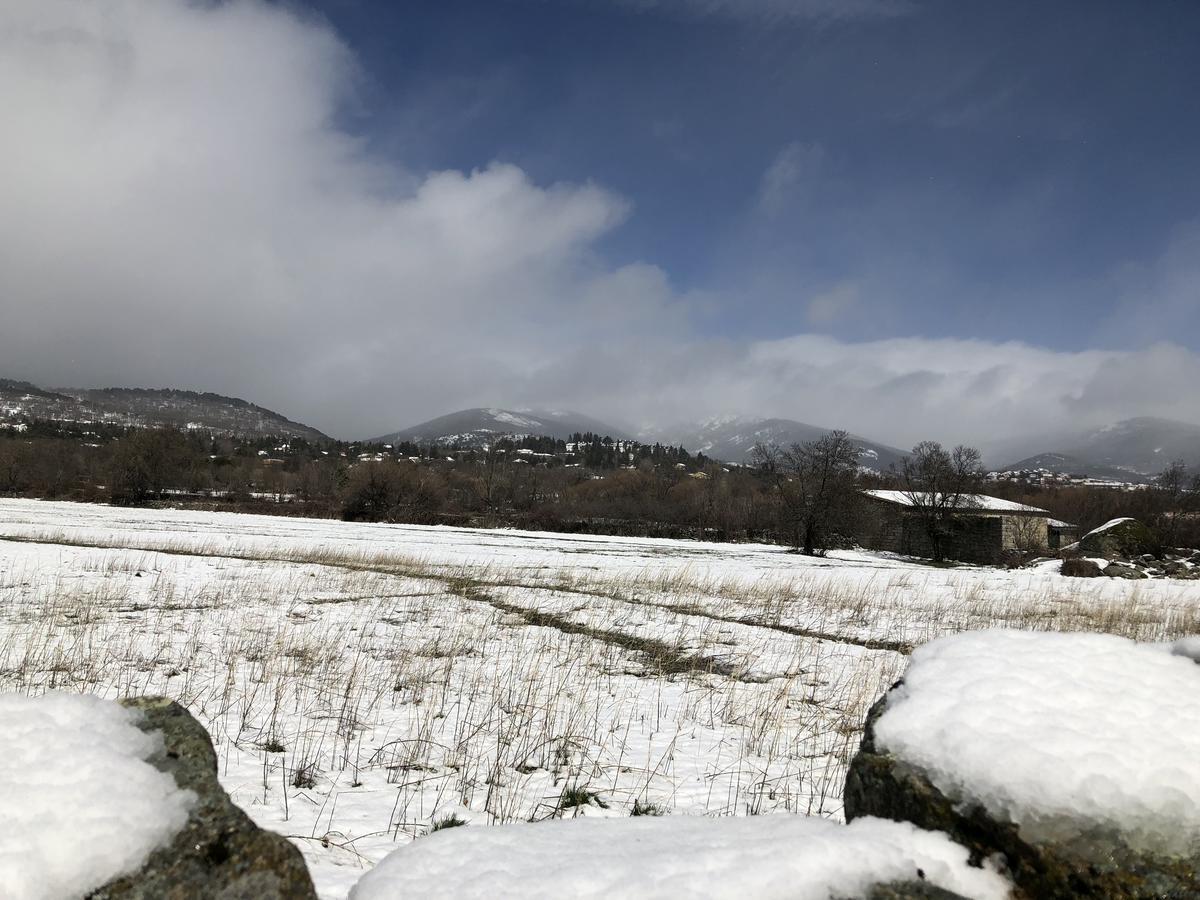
220,854
1090,865
1119,539
1078,567
1122,570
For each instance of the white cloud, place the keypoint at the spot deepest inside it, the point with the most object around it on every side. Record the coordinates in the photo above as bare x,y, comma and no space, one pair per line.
181,208
790,176
836,303
903,390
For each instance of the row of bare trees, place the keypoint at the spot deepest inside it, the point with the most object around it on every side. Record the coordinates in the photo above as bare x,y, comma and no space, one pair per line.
807,496
818,488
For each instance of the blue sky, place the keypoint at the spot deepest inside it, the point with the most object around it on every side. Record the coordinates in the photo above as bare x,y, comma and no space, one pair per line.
913,219
957,169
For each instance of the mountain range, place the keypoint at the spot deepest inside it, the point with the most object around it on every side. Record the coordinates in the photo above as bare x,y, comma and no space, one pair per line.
1129,450
481,425
148,407
732,439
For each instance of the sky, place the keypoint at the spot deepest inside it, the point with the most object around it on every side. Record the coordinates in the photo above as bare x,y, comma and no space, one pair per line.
912,219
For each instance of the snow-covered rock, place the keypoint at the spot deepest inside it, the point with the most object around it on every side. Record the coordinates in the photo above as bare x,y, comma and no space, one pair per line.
81,804
1120,538
1073,755
219,852
1189,647
677,857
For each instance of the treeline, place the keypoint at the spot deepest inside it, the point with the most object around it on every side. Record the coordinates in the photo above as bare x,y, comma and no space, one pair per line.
805,496
1170,505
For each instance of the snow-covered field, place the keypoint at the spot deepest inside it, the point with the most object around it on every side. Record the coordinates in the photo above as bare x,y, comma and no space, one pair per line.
363,681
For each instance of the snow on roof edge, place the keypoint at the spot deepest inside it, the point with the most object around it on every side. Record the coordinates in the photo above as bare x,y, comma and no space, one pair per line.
975,502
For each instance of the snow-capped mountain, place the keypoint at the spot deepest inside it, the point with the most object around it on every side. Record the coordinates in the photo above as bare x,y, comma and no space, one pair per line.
732,438
20,401
1141,446
1065,464
483,424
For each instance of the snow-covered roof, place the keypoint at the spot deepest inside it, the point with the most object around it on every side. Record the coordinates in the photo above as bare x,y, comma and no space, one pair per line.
968,502
1059,523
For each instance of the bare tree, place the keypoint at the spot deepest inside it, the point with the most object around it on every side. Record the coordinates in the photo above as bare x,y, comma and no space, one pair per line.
816,485
1175,499
938,484
11,459
1029,533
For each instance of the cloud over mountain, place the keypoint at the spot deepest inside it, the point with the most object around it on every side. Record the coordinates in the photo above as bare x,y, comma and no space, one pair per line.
185,205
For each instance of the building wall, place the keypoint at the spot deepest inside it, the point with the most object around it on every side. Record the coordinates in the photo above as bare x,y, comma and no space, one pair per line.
972,539
1061,536
975,537
1027,532
881,526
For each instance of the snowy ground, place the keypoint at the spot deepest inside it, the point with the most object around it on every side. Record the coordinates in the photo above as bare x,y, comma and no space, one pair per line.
361,680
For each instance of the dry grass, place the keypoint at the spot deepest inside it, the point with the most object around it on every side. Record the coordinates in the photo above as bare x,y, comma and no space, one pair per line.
353,693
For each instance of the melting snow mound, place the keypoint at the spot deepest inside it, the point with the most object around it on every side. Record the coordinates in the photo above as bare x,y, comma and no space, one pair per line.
1058,733
80,805
675,857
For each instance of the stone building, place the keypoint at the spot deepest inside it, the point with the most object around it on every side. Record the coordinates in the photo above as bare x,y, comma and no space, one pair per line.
1061,534
981,529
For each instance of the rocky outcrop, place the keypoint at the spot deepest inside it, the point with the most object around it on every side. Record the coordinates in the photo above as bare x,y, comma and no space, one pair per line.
1089,865
1120,539
1170,565
220,854
1133,551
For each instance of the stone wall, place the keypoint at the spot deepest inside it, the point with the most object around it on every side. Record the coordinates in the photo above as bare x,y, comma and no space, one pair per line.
881,526
971,539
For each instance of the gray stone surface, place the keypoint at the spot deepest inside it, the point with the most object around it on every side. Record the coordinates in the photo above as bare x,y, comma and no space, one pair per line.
1077,567
1091,865
220,854
1122,570
911,890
